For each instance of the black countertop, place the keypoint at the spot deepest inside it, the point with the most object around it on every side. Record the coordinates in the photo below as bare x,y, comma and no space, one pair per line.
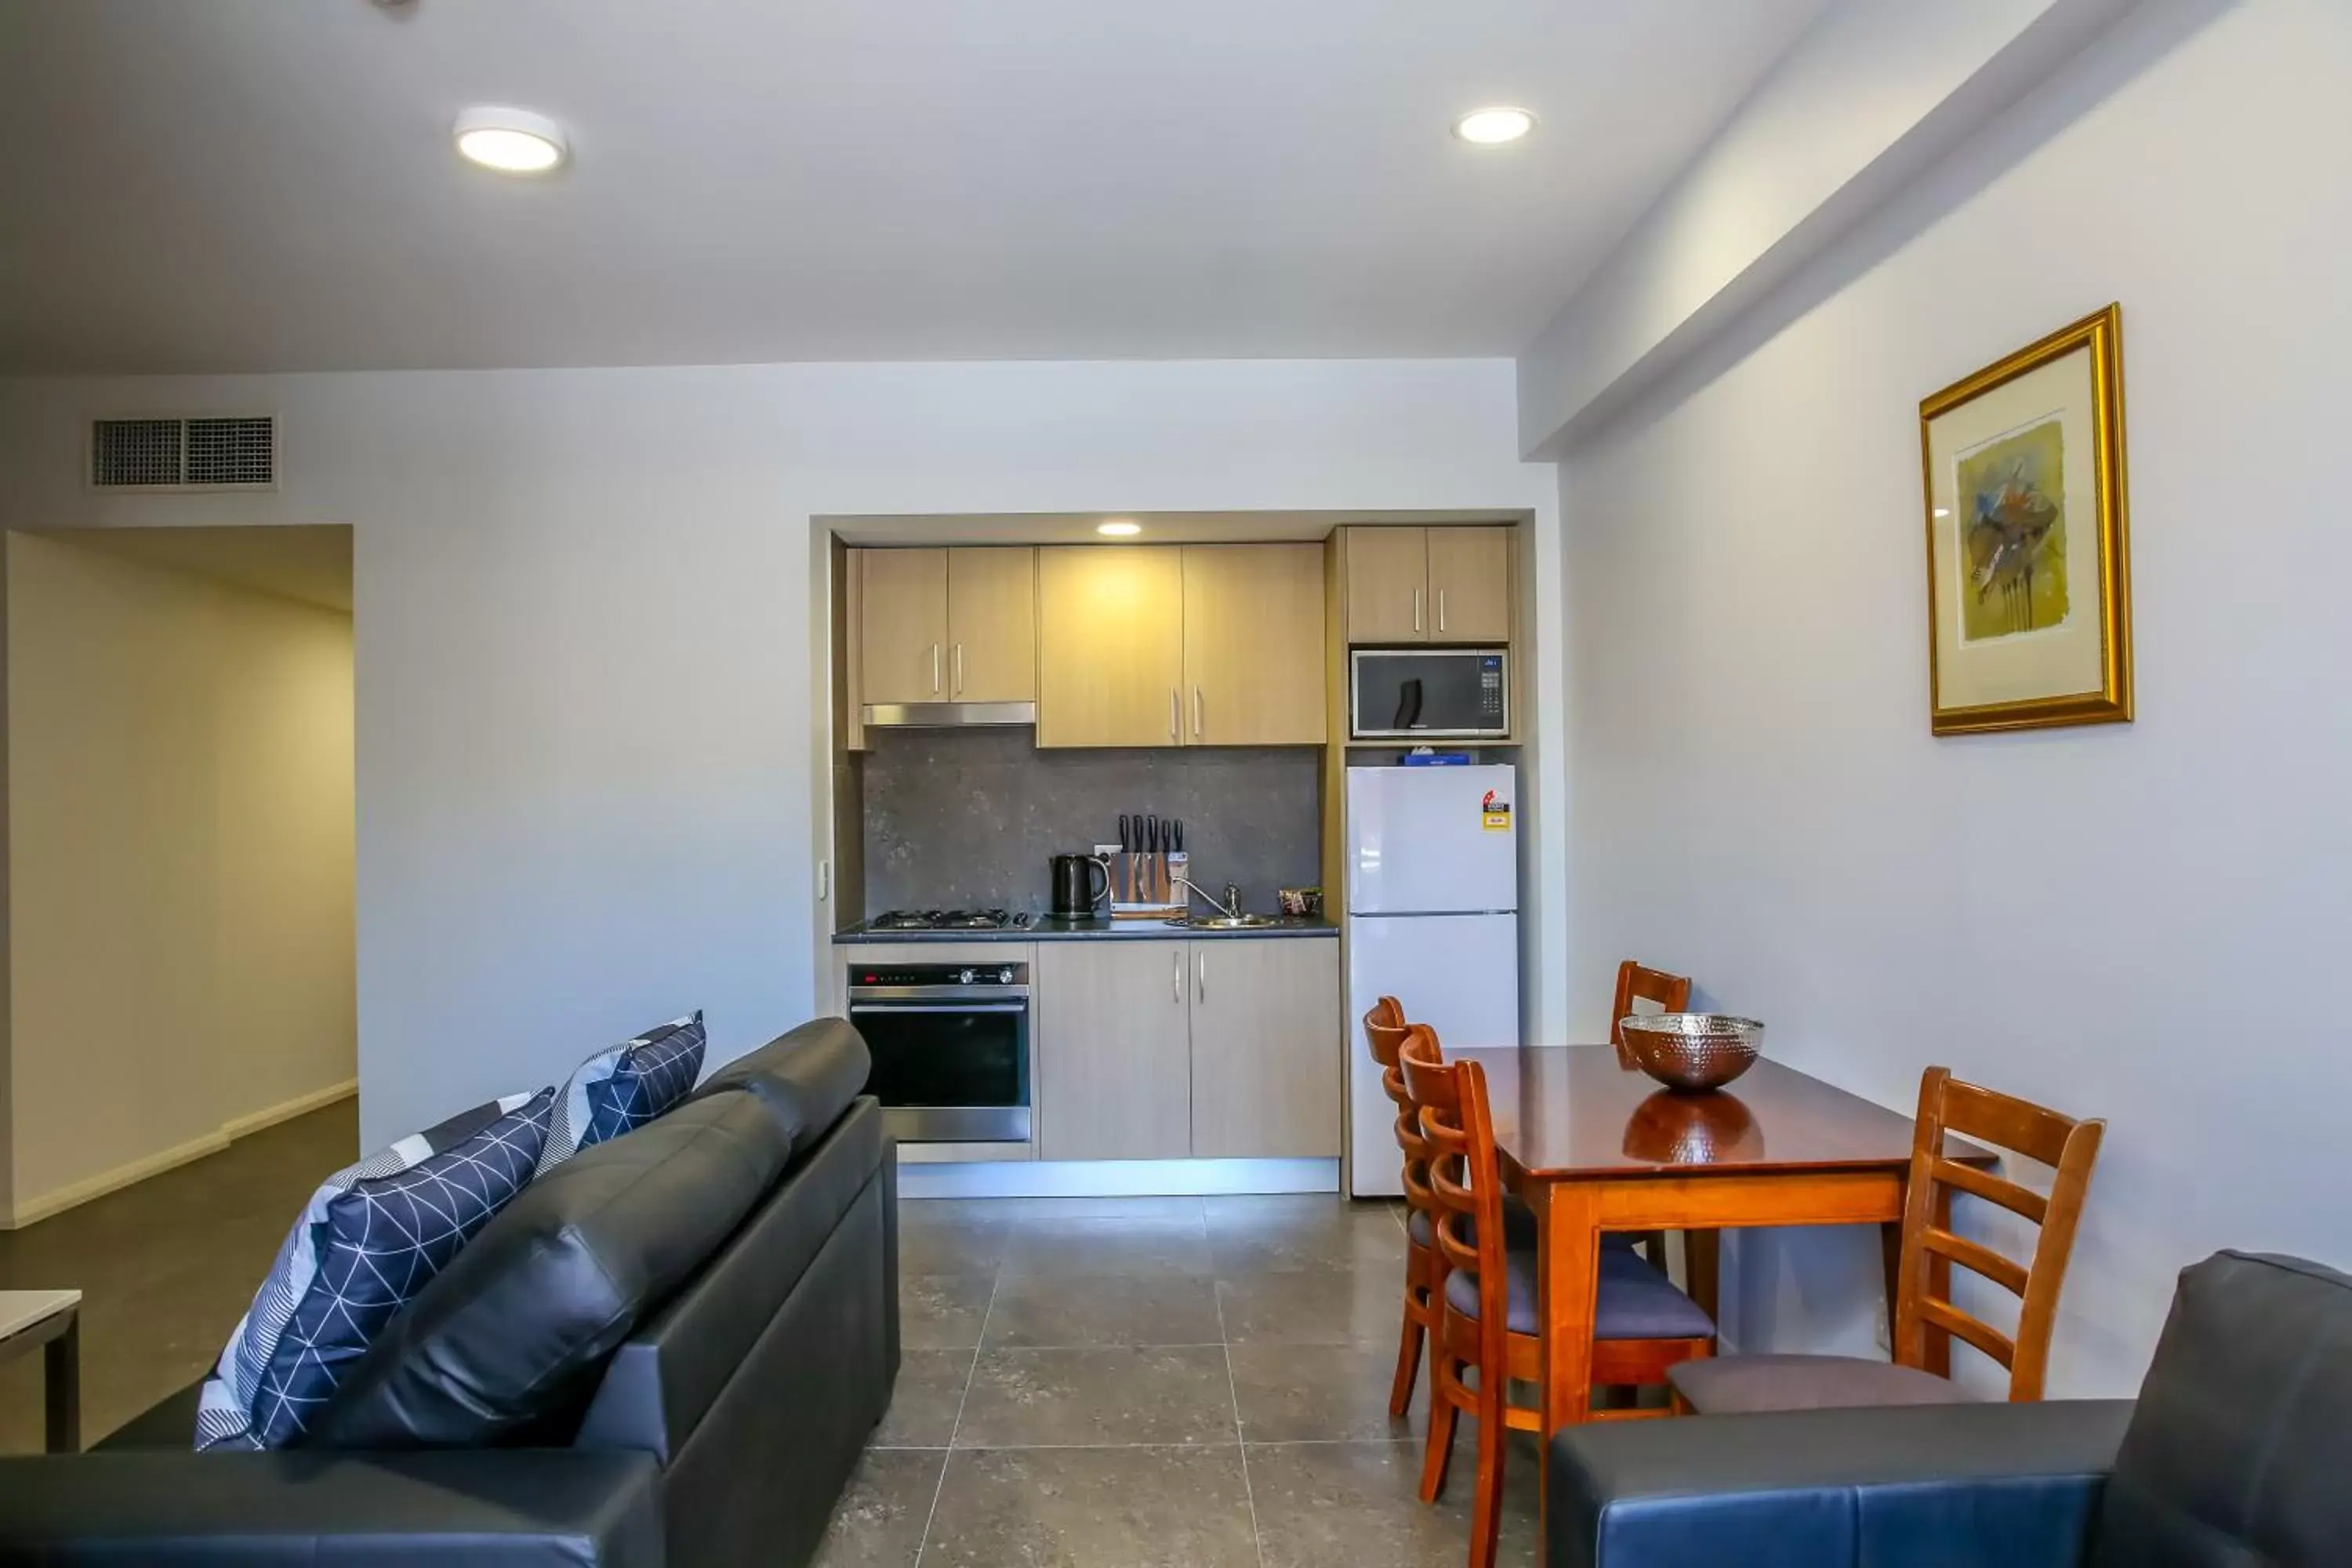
1097,929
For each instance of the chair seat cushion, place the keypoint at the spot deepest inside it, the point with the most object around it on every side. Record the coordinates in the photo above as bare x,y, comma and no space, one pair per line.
1518,1227
1636,1301
1732,1385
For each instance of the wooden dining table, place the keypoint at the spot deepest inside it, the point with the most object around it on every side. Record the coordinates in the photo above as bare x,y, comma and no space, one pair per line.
1592,1145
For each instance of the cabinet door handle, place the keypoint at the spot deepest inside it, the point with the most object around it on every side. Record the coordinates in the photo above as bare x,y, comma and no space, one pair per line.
1196,712
958,686
1202,961
1416,609
935,669
1175,714
1440,622
1176,981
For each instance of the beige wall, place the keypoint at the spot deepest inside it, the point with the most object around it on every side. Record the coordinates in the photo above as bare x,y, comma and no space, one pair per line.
180,824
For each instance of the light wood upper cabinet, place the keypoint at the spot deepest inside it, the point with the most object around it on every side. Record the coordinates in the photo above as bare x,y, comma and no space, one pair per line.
1429,585
1253,644
1266,1048
1469,584
992,625
903,635
1111,645
1388,584
1113,1065
948,625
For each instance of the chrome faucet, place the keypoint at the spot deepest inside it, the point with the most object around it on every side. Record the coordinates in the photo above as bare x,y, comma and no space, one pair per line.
1230,905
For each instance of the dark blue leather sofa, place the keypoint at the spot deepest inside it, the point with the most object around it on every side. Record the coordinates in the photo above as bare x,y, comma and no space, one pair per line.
2237,1454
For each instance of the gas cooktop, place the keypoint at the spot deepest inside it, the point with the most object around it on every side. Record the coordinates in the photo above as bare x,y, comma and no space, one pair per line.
950,920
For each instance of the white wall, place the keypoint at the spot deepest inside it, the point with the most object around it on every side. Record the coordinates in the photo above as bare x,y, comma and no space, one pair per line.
180,825
2139,923
586,743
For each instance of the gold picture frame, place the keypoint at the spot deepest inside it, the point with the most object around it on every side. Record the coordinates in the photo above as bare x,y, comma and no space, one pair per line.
2022,470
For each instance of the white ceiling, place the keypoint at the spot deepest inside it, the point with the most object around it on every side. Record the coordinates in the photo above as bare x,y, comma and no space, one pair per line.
311,562
267,184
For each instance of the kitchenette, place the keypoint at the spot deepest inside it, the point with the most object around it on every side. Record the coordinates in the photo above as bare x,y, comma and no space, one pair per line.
1121,828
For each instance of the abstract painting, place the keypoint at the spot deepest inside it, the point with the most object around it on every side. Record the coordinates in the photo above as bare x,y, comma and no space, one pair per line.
2013,490
2029,585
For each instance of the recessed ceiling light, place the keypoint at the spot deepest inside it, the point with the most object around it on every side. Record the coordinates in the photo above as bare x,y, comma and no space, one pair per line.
1119,530
511,141
1494,126
1943,511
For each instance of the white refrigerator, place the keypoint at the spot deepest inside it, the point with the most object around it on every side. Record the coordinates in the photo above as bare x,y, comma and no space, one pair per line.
1433,920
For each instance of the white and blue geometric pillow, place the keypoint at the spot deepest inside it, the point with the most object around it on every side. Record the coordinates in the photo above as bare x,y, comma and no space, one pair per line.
623,1087
374,1236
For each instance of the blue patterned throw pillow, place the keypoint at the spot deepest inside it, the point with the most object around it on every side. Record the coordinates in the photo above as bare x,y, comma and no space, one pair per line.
623,1087
374,1236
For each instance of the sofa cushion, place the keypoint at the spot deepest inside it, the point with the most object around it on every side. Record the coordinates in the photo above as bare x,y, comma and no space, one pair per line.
622,1087
371,1238
805,1078
507,1343
2235,1452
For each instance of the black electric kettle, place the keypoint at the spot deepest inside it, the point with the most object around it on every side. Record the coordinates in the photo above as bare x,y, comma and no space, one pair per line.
1074,893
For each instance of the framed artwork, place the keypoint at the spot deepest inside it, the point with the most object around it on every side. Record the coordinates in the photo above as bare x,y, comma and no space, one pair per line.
2029,580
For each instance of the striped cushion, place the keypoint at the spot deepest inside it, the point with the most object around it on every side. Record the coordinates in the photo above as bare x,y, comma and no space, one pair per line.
623,1087
373,1234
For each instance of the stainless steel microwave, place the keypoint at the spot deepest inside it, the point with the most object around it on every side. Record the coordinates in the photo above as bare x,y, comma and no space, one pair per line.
1428,693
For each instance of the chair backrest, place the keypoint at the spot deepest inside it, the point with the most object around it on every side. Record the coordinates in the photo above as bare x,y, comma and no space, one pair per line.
1465,1178
1384,1031
1635,984
2071,1147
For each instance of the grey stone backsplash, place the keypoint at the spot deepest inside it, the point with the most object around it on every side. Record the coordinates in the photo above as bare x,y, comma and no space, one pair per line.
962,817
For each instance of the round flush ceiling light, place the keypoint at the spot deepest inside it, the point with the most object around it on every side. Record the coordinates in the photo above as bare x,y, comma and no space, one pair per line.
1494,126
1118,529
511,141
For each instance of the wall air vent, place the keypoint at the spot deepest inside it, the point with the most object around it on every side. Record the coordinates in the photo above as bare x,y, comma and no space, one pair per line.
211,452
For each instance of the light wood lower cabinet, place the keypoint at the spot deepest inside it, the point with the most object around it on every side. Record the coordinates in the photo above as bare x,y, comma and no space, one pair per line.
1266,1046
1220,1048
1114,1067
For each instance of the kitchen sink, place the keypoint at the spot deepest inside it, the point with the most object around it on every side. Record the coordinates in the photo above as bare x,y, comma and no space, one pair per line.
1225,922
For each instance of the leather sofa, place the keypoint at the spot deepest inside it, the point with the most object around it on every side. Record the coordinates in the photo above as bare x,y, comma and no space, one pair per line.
670,1350
2234,1453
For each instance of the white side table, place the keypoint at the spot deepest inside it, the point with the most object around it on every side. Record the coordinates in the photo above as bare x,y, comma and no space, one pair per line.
51,1320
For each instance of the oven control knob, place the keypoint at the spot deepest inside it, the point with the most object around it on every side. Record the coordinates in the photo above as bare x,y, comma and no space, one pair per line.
1004,976
964,978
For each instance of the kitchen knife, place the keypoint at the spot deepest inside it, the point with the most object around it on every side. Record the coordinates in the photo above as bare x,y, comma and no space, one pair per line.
1151,834
1125,838
1177,828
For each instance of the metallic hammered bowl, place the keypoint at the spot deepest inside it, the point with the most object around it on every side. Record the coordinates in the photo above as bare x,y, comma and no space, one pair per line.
1692,1051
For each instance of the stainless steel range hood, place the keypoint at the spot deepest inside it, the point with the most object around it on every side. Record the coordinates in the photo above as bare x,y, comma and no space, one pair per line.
946,715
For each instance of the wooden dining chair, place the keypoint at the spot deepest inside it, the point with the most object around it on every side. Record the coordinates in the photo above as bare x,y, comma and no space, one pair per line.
1488,1316
1637,983
1384,1032
1926,1319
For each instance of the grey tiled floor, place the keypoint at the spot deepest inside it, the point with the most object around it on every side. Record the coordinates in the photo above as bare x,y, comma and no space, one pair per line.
1155,1382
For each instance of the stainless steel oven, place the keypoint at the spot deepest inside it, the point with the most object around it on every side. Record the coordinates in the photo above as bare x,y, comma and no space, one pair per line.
951,1046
